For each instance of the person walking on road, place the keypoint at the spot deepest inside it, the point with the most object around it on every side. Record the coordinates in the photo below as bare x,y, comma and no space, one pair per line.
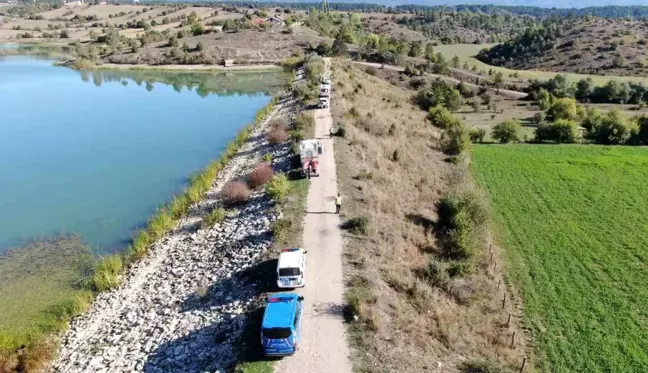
338,203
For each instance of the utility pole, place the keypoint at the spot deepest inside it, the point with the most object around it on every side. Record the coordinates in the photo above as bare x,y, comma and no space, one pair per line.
325,6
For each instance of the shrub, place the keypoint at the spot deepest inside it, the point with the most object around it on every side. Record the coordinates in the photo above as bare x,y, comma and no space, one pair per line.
437,273
539,117
561,132
442,117
304,121
261,174
341,132
482,366
278,187
439,93
279,227
267,157
477,135
460,220
277,136
455,140
614,128
357,225
106,273
216,215
235,192
506,131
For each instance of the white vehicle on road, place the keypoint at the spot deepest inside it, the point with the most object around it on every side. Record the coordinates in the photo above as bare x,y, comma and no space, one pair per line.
291,268
325,90
323,102
326,81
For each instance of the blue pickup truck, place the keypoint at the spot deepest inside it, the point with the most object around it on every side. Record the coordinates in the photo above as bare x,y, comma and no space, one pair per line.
281,324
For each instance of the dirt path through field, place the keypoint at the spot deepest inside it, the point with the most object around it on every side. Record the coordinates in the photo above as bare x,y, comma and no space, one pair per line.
324,347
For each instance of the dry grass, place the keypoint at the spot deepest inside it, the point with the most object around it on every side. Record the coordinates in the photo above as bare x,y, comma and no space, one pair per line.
261,174
406,324
235,193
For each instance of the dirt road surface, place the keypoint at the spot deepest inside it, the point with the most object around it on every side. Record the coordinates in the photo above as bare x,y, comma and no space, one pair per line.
324,347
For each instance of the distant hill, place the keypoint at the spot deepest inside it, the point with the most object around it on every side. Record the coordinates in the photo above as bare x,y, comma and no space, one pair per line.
589,45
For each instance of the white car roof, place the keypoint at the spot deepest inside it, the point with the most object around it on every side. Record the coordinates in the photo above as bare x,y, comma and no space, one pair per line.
290,258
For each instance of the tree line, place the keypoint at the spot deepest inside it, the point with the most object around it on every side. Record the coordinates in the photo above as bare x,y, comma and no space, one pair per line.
585,91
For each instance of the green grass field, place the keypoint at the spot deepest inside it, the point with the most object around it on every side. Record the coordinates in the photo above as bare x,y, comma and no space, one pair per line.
467,52
574,226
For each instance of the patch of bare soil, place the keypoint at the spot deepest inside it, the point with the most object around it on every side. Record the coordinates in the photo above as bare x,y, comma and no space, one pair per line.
391,171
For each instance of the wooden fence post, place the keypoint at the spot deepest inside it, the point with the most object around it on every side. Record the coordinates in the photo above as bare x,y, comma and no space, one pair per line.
513,340
508,323
504,301
523,365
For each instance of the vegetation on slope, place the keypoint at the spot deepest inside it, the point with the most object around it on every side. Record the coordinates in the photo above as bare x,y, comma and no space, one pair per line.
575,243
431,300
586,45
449,26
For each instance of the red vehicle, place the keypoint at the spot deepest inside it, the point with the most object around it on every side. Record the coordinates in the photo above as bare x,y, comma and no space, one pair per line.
309,151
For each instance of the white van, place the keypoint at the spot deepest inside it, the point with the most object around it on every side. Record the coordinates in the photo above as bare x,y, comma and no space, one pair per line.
291,268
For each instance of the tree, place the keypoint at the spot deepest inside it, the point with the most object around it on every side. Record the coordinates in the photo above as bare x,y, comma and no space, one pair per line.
64,34
455,62
439,93
339,48
455,140
506,131
498,80
561,132
615,128
584,89
563,108
416,48
173,41
324,49
442,117
200,47
545,99
477,135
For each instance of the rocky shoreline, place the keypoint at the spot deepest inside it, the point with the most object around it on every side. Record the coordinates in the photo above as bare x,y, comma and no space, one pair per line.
183,307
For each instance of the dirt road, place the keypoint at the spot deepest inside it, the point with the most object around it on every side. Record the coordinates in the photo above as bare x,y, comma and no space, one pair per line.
505,92
324,347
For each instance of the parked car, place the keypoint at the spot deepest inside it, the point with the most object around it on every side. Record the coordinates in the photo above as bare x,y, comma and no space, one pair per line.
323,102
291,268
326,81
325,91
281,323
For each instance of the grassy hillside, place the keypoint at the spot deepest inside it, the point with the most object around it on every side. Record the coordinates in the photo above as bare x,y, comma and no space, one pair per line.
588,45
468,52
573,225
391,172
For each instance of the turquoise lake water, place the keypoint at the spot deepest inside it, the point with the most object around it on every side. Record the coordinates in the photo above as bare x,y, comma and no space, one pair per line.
94,153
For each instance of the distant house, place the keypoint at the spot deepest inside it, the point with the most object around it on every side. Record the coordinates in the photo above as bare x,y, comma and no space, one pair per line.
74,2
103,2
257,21
228,63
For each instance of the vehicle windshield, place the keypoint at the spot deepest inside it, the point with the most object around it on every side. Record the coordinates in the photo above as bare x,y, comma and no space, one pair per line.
276,333
288,272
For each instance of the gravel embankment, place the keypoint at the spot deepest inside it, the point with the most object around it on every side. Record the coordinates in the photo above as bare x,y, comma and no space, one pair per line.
182,308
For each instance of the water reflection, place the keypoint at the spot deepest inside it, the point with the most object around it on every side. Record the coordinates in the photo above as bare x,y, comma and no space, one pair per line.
252,84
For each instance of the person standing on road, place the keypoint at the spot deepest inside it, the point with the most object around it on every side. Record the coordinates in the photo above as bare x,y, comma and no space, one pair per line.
338,203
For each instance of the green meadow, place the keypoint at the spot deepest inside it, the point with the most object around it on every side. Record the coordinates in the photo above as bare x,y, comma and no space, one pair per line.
573,222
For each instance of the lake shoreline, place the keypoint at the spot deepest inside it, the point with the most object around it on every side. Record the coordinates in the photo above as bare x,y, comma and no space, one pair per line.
188,285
